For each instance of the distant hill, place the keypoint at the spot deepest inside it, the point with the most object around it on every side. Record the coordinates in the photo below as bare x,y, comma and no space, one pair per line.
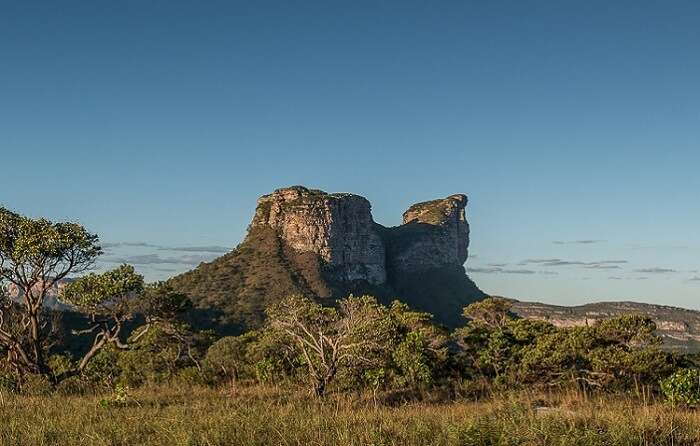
327,246
50,301
679,327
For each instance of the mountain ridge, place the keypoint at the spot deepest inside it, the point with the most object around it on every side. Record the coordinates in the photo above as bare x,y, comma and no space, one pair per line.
678,327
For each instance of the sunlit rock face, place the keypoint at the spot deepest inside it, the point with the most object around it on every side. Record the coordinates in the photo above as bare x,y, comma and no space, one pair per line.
337,227
434,234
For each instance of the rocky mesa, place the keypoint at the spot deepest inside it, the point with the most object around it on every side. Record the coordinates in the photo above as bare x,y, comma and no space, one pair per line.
326,246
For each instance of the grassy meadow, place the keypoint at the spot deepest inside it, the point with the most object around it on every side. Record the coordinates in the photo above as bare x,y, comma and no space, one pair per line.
275,416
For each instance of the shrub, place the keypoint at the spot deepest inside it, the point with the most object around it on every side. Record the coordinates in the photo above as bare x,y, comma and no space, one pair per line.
35,385
228,357
103,370
74,385
411,358
120,397
683,387
60,364
192,376
8,382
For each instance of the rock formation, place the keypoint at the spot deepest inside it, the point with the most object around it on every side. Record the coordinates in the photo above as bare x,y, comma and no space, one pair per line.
327,246
434,234
337,227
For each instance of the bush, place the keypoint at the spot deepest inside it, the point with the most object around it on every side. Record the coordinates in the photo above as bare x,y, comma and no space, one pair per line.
228,358
411,358
192,376
60,364
683,387
103,370
75,385
8,382
36,385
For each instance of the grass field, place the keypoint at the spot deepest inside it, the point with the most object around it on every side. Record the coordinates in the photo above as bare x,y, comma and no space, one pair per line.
270,416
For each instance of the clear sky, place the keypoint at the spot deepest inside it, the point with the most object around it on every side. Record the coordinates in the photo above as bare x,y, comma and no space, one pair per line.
574,127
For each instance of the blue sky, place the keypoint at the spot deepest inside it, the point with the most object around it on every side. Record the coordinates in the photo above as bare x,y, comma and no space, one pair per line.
574,127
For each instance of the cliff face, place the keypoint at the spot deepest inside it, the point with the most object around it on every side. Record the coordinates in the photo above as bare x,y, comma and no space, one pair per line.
327,246
434,234
336,227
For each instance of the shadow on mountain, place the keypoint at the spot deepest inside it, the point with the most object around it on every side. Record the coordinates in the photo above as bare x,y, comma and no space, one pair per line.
441,291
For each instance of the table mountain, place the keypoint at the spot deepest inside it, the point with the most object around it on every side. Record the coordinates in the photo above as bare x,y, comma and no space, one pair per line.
327,246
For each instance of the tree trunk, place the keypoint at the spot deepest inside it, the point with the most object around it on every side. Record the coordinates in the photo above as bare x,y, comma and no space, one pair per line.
91,354
35,343
320,388
322,383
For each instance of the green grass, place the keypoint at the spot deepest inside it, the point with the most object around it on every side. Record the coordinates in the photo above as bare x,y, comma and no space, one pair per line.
269,416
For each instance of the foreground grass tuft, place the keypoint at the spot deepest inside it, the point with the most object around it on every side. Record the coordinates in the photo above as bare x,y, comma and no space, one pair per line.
269,416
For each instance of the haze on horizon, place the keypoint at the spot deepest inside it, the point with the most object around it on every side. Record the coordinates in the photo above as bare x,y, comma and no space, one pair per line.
573,128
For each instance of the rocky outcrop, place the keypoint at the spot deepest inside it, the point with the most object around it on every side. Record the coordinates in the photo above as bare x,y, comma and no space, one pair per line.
434,234
327,246
337,227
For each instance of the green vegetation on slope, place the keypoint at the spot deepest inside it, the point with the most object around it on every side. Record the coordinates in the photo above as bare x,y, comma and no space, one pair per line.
233,291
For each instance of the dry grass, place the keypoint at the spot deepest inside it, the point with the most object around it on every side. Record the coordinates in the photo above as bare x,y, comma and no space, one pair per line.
269,416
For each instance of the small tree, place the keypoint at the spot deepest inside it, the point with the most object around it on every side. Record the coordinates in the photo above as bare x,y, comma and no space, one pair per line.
117,296
109,301
487,344
328,339
35,256
631,331
493,312
419,350
163,308
229,357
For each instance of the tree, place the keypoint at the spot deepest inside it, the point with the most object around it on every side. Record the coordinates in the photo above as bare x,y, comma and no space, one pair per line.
35,256
161,303
559,357
487,344
493,312
230,357
629,353
632,331
615,353
117,296
419,347
109,301
328,339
